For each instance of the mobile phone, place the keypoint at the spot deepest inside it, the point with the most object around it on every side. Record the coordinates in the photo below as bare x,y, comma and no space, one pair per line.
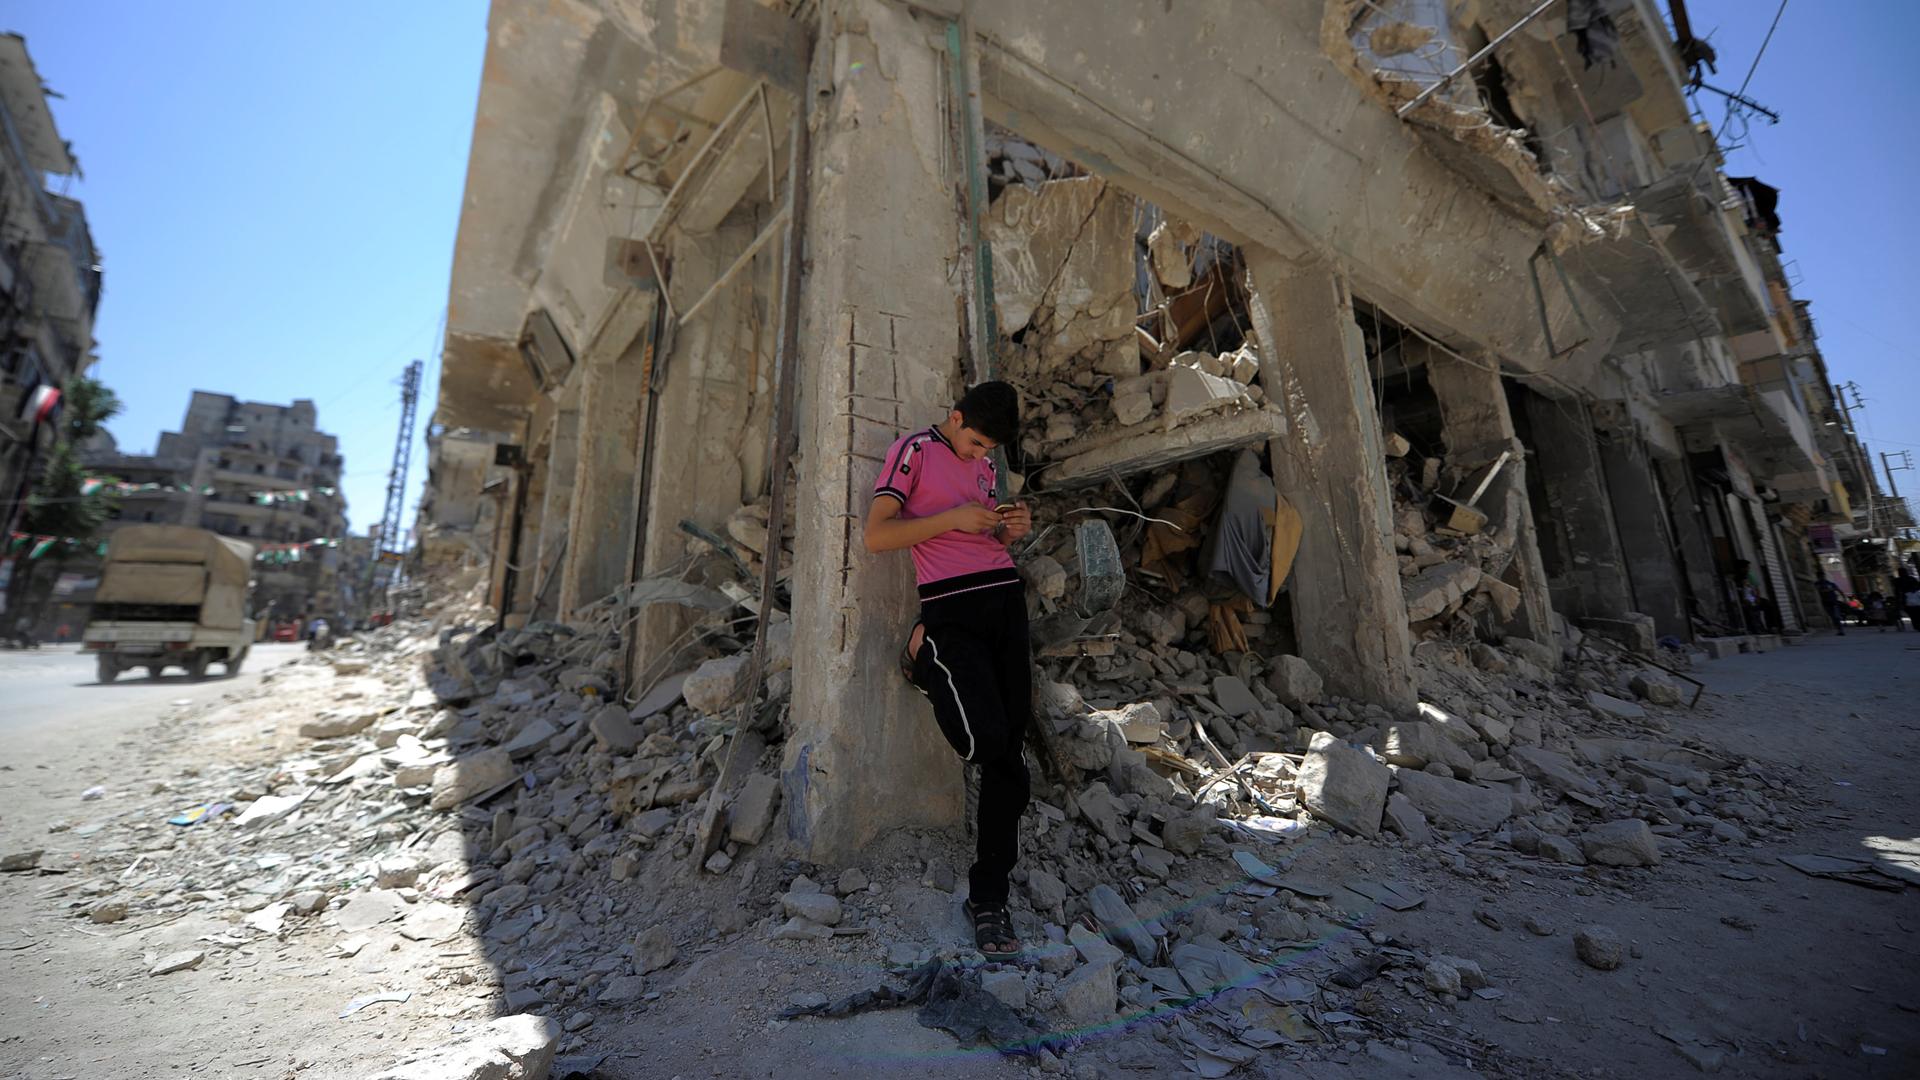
1004,507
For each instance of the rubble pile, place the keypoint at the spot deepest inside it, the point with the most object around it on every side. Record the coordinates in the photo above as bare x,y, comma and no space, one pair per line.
1451,562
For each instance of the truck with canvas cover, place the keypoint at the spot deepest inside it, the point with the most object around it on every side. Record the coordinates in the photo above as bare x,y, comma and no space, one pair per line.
171,596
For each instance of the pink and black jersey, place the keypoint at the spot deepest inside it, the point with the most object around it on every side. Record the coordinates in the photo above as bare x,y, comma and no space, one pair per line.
927,477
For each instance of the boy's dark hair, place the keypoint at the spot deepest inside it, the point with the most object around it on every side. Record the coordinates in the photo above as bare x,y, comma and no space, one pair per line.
993,410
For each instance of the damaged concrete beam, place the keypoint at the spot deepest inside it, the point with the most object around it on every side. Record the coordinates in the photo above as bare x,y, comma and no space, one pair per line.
1347,608
1132,453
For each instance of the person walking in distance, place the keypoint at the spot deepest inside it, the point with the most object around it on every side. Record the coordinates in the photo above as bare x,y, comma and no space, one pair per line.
968,650
1830,600
1906,597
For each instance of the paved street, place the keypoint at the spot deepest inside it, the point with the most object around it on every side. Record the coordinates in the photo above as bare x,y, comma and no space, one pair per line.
50,700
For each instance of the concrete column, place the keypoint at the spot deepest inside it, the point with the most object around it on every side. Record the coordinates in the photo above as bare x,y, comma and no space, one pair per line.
880,348
602,511
1348,613
518,603
563,449
1593,581
1646,542
1477,427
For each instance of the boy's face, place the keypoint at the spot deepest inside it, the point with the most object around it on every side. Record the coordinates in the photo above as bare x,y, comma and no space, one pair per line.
969,445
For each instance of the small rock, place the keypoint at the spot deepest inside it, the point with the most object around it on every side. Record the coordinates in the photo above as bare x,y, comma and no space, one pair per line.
22,860
1628,842
1599,947
613,731
396,872
1007,984
1231,694
1045,891
1610,706
1537,926
180,961
852,880
1186,833
108,911
337,725
1086,996
754,809
579,1021
1122,925
1442,977
1655,689
1294,681
717,685
510,1048
1406,819
469,775
799,929
1343,785
622,990
653,950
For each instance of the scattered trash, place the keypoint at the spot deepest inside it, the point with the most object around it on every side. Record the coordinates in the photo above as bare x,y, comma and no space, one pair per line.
193,815
93,792
365,1000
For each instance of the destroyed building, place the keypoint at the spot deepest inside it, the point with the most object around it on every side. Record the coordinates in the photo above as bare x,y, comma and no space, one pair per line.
1506,354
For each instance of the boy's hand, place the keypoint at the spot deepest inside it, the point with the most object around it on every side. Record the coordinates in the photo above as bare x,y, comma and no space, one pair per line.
1016,523
973,518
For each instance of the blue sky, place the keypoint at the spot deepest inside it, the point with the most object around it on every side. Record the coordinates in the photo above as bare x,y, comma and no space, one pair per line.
274,188
1845,155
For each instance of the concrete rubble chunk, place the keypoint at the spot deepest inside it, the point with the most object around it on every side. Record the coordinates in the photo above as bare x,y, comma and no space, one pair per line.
1045,891
1139,722
717,685
613,730
1193,393
1122,925
366,910
531,739
469,775
1403,817
1092,947
510,1048
1627,842
1614,708
179,961
754,809
1344,785
1105,812
1185,833
1454,802
1086,995
1655,688
337,725
653,949
1552,770
1232,694
1432,591
1415,745
818,907
21,860
1294,681
1008,985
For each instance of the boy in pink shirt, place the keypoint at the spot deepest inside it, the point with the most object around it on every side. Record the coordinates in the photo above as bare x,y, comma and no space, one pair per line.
968,651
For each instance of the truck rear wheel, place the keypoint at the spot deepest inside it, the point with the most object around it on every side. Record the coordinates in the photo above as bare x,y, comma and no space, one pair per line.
233,662
105,669
197,667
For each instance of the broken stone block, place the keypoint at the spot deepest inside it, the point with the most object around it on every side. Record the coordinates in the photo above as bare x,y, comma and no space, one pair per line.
1552,770
1092,947
1086,996
469,775
1246,366
1046,575
1163,627
1655,689
337,725
717,685
1343,785
1628,842
1063,253
1232,694
530,739
1294,681
1192,393
1132,406
1045,891
1434,590
1455,802
1442,977
1139,722
818,907
653,950
179,961
1609,706
510,1048
1599,947
1106,813
1416,745
1009,985
753,809
1406,819
1122,925
21,860
1185,834
613,731
1171,263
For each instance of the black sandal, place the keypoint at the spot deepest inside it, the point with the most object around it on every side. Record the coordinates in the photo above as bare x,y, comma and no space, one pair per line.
993,931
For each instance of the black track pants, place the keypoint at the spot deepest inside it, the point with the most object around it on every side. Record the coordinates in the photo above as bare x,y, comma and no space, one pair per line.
974,666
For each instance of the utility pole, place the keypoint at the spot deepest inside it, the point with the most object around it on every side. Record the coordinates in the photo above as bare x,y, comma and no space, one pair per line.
384,536
1906,462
